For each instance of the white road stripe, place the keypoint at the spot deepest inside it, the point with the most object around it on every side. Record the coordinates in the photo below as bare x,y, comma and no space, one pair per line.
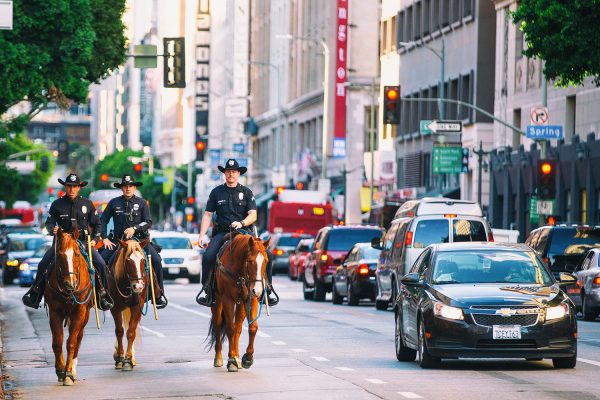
345,369
152,332
262,334
375,381
320,358
278,343
182,308
584,360
299,350
410,395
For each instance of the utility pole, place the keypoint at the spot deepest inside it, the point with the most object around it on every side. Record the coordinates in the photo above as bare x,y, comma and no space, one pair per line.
480,153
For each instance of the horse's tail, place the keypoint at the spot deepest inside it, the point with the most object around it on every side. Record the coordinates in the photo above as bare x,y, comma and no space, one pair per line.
212,336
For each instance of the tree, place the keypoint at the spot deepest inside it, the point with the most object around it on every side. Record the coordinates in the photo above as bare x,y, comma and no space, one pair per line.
564,34
57,49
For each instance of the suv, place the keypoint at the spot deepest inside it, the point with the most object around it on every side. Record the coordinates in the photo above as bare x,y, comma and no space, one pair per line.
331,246
416,225
562,247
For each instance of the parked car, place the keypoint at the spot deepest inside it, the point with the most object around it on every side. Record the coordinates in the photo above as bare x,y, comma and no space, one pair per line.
355,278
179,258
29,266
417,224
562,247
298,257
484,300
282,245
331,246
588,280
19,247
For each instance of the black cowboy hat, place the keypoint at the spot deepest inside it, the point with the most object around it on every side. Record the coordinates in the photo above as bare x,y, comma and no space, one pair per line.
127,180
72,180
232,164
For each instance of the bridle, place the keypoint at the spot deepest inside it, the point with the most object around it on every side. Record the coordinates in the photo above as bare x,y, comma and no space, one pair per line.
143,278
67,294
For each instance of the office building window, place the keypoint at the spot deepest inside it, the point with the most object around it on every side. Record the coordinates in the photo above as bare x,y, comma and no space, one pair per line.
455,11
445,13
426,20
418,13
367,130
468,8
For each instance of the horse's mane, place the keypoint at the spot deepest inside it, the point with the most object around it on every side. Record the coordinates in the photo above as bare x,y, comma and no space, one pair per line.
240,246
122,255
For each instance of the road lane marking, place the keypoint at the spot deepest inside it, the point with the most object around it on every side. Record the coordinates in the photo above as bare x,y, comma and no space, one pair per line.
262,334
278,343
299,350
375,381
152,332
345,369
182,308
584,360
320,358
410,395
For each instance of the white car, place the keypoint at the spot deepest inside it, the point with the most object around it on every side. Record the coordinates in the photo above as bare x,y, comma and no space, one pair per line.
179,257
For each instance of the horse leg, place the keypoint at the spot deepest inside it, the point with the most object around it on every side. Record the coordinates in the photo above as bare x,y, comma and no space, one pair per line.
79,339
119,331
240,315
230,322
76,325
248,358
57,340
217,321
134,320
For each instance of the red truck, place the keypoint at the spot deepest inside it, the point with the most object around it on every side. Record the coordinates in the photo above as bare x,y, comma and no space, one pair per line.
299,211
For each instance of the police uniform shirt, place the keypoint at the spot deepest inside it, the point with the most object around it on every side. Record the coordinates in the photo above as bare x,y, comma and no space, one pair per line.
127,213
79,213
230,204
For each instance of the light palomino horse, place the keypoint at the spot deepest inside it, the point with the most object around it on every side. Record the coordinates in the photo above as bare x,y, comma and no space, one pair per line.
240,277
69,298
128,286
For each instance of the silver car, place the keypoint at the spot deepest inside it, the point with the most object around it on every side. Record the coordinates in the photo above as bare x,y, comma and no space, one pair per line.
588,279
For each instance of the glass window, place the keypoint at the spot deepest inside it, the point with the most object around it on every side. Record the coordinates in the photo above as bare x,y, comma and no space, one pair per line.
344,239
464,230
542,240
289,241
173,242
399,242
417,266
369,253
431,231
490,266
569,241
26,244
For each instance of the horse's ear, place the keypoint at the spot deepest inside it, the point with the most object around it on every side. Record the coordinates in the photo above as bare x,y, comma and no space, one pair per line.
266,243
123,244
144,243
251,243
75,233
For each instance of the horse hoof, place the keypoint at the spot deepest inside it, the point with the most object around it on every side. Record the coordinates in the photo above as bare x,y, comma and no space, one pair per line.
246,361
119,365
218,362
232,365
127,365
68,381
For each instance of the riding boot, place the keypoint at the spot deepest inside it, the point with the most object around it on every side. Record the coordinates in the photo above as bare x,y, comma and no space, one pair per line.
34,295
105,302
161,300
208,299
272,297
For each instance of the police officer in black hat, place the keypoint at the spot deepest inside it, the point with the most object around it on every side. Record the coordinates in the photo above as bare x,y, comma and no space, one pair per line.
69,212
235,207
131,218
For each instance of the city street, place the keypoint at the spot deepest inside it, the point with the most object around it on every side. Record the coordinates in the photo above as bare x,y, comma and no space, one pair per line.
304,350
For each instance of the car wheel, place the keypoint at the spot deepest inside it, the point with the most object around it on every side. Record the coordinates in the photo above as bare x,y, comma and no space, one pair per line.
194,278
424,358
353,298
292,278
589,314
308,292
564,362
381,305
320,291
403,353
335,297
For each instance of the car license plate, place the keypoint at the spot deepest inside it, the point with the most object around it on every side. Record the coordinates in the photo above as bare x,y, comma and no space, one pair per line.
504,332
173,270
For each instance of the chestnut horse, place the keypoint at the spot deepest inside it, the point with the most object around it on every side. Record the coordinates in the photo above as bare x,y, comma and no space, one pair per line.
240,284
128,286
69,298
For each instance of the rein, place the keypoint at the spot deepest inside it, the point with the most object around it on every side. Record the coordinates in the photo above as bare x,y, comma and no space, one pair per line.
143,309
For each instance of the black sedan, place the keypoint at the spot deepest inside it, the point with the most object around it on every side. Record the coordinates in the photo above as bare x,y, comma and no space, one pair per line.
484,300
355,278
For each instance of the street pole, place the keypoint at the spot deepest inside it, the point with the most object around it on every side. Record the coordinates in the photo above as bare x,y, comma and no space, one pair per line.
372,141
480,153
325,108
544,143
443,80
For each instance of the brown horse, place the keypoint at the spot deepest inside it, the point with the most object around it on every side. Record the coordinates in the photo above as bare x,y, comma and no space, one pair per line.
128,286
69,298
240,283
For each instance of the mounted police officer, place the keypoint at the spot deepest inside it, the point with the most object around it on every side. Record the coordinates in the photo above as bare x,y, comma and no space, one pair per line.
131,218
69,212
235,208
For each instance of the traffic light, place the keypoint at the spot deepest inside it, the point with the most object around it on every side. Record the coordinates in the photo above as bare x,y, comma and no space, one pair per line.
201,147
50,190
137,169
63,152
191,200
104,178
546,174
391,105
551,220
174,62
61,193
300,186
44,164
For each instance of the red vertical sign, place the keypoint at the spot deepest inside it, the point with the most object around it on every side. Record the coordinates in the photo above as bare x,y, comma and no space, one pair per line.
339,123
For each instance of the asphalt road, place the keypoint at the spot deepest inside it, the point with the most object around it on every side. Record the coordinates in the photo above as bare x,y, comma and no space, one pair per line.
304,350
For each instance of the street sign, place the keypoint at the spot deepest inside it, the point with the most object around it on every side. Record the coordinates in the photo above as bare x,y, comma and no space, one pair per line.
447,159
243,162
442,126
24,167
160,179
239,147
539,116
6,15
545,207
144,56
423,127
534,217
546,132
236,108
339,147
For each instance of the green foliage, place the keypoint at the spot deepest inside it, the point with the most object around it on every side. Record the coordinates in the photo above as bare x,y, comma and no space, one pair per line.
57,48
564,34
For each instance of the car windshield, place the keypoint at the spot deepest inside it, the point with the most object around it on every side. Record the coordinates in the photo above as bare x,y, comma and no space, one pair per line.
573,241
25,244
289,241
41,251
465,230
369,253
493,266
430,231
344,239
173,243
304,248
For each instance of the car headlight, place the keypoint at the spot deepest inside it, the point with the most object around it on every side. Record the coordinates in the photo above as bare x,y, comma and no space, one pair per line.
557,312
12,263
448,312
24,267
194,258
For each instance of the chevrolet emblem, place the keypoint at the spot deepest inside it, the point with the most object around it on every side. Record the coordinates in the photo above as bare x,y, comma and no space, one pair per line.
505,312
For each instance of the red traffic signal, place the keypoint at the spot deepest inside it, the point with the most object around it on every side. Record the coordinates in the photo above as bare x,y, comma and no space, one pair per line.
191,200
391,93
104,178
138,167
391,105
201,145
61,193
546,168
279,189
50,190
546,179
300,186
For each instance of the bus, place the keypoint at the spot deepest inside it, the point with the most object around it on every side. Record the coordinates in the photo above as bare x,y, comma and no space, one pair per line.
299,211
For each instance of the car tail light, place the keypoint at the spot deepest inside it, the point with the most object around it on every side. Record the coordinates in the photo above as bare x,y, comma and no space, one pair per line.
278,252
596,281
546,260
363,269
324,257
490,237
409,238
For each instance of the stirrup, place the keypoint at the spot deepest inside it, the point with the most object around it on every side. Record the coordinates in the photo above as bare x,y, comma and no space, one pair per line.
208,299
32,299
272,301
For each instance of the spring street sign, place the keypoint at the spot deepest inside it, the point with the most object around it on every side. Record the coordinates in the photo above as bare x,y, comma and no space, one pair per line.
544,132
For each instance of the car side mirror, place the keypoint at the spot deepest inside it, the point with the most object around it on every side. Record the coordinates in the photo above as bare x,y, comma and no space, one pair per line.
376,243
567,279
569,268
411,279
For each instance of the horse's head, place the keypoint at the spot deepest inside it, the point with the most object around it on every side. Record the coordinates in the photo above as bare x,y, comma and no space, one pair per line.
257,264
134,264
70,263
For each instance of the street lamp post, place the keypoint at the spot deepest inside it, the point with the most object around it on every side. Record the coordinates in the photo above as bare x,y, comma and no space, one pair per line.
325,94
